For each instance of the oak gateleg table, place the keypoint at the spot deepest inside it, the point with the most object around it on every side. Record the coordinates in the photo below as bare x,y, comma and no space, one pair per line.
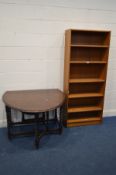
36,103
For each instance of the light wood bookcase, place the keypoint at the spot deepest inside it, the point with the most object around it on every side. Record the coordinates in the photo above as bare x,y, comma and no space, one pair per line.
85,69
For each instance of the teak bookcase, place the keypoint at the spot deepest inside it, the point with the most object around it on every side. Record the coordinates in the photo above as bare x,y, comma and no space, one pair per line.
85,68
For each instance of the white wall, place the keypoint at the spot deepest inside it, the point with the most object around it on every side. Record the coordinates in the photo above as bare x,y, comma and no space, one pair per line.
32,42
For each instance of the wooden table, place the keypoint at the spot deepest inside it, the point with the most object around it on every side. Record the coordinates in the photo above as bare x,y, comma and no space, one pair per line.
37,103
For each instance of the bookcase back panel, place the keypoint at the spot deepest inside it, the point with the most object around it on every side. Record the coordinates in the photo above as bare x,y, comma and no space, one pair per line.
88,54
82,102
85,115
87,71
86,88
89,38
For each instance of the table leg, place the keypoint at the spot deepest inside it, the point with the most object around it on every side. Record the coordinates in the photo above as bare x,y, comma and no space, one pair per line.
38,132
61,120
56,119
9,122
47,121
23,117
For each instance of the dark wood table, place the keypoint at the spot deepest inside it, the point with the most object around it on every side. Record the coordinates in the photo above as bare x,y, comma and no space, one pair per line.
38,103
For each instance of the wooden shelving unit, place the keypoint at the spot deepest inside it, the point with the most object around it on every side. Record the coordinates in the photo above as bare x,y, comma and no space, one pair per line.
85,69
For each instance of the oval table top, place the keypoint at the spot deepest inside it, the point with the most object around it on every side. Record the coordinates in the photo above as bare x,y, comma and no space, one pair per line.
33,101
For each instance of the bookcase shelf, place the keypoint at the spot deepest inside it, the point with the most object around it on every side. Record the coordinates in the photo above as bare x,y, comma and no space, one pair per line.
86,80
91,46
88,62
84,109
85,69
83,95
